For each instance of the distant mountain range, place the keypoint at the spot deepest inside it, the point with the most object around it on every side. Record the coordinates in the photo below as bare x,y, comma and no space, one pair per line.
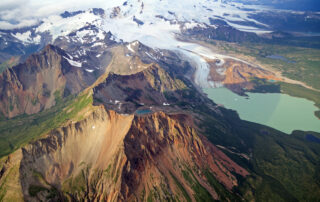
299,5
215,20
106,104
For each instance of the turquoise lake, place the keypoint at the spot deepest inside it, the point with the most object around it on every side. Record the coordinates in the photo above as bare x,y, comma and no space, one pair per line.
143,111
280,111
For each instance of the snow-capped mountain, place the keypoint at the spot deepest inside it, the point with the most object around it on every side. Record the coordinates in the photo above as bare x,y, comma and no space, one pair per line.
113,103
137,16
144,20
85,35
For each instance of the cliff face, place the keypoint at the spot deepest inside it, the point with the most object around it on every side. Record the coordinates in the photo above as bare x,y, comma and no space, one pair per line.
38,83
113,157
167,160
72,162
223,32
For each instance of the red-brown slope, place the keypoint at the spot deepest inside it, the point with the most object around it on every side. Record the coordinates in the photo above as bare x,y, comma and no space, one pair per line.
108,156
37,83
236,74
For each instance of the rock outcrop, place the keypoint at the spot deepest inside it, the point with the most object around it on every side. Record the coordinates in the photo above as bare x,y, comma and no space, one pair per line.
237,75
112,157
125,93
39,83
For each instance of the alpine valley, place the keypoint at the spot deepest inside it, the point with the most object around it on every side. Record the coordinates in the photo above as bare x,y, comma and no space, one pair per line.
119,103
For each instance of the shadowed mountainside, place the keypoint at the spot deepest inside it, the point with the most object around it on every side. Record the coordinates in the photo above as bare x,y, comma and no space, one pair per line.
40,82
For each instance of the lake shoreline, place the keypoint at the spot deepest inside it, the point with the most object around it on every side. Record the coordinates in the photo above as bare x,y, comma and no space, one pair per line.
280,111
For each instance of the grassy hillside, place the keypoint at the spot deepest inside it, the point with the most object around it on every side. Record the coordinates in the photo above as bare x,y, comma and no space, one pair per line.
283,167
20,130
9,63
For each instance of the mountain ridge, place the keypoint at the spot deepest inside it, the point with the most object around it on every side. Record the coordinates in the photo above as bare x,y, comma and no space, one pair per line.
138,137
114,110
40,82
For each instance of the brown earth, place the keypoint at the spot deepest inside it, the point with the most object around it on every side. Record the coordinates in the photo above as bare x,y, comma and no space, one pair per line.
112,157
36,84
237,74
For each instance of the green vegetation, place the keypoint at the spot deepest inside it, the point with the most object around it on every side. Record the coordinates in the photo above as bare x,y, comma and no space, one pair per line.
58,96
107,171
9,184
34,101
20,130
142,194
307,41
3,66
75,184
298,63
263,86
200,193
34,190
283,167
9,63
155,194
149,199
11,104
181,188
223,193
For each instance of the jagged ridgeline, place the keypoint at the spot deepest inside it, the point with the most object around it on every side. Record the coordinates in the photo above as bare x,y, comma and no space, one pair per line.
138,130
40,82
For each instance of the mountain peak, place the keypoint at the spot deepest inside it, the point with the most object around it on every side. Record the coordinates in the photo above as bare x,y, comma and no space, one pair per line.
39,82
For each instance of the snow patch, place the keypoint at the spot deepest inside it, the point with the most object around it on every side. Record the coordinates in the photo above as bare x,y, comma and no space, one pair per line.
26,37
73,63
70,56
191,25
152,57
59,26
97,44
130,48
89,70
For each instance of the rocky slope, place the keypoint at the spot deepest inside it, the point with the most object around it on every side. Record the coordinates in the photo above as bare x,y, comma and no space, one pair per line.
220,30
109,152
237,75
151,134
40,82
125,93
112,157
